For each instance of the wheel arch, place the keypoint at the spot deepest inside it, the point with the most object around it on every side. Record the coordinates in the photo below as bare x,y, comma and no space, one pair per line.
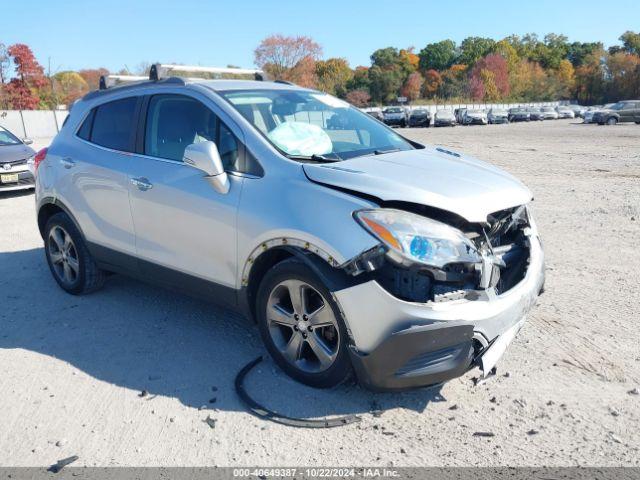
50,206
323,265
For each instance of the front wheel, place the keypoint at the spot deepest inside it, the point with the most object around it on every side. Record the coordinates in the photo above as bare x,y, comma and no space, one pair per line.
612,121
301,325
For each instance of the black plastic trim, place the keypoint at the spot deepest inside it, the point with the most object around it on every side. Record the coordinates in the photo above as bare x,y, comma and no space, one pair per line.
449,349
149,272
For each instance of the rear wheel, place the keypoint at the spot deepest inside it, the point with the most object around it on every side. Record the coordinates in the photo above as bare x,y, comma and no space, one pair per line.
70,262
301,325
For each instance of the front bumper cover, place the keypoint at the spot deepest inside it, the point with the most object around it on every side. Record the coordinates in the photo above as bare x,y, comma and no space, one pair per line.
400,345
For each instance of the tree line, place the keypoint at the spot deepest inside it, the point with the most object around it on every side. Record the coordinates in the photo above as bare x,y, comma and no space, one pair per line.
513,69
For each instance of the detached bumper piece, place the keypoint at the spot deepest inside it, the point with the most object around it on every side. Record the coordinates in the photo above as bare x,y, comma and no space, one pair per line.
416,357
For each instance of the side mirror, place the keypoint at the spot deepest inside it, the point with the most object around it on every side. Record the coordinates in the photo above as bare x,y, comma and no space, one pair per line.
205,156
27,141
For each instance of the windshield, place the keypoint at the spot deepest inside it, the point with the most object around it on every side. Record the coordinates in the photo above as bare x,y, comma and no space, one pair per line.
475,112
617,106
313,125
498,112
393,110
8,138
444,113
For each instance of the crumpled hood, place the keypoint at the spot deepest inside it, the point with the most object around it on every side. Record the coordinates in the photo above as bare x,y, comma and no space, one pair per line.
435,177
11,153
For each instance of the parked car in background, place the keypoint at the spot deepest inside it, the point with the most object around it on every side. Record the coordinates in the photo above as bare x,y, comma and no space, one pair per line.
578,110
535,114
459,114
565,112
377,114
498,115
420,117
475,117
15,158
518,114
444,118
406,265
395,116
549,113
591,111
624,111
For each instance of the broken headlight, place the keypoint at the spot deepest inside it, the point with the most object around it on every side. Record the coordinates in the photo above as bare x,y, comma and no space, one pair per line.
418,239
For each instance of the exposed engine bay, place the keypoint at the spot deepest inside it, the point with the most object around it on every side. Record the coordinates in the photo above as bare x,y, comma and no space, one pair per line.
502,242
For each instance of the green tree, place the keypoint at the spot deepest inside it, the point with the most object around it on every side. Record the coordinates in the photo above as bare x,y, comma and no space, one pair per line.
473,49
631,42
384,83
438,56
578,51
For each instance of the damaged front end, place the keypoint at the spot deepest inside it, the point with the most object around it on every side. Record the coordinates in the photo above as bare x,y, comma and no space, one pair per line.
441,295
487,259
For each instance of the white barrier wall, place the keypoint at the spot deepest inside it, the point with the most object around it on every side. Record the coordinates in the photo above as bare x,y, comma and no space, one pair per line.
33,123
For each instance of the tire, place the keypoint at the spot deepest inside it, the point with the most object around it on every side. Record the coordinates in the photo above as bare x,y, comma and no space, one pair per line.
70,262
282,326
612,121
637,122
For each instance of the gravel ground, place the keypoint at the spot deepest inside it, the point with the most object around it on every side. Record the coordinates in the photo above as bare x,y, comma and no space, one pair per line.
72,368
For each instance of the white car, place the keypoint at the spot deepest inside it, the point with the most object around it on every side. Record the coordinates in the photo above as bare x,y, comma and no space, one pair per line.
565,112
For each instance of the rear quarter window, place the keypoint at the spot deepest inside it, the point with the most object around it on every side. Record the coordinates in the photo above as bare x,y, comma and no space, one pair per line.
112,124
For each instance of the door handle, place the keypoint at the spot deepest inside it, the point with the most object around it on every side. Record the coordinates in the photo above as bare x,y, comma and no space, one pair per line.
67,162
142,183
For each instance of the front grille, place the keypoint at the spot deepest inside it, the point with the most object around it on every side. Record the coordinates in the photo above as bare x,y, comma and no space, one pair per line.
14,163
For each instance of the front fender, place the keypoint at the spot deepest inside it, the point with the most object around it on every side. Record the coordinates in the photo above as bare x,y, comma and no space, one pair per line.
303,215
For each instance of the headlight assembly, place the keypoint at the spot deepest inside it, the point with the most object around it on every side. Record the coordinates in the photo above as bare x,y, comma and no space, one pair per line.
418,239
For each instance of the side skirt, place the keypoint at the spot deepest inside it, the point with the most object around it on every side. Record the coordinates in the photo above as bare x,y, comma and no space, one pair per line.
149,272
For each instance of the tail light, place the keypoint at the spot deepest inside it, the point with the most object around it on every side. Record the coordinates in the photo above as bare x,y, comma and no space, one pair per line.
39,157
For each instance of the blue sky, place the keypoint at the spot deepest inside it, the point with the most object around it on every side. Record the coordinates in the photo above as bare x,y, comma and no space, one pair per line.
78,34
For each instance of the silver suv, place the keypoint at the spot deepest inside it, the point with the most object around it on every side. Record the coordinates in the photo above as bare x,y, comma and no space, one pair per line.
354,249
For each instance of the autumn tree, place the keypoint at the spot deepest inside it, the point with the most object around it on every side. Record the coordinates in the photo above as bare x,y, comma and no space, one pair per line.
623,76
22,91
333,76
92,76
590,79
432,83
69,86
412,86
358,98
289,58
490,78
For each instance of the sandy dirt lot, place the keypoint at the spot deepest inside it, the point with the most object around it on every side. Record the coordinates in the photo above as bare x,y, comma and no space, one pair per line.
72,368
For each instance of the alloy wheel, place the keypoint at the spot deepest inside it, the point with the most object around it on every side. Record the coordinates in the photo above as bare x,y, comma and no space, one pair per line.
303,327
63,255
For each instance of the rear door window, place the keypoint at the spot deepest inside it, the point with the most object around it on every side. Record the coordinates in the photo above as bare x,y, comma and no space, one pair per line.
114,124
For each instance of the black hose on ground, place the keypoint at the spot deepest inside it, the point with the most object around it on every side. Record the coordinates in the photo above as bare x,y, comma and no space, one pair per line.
266,414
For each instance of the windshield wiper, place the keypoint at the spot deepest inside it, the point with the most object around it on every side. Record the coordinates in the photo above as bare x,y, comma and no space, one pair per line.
313,158
382,152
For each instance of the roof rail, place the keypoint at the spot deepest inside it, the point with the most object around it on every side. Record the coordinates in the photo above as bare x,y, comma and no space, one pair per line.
159,70
108,81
